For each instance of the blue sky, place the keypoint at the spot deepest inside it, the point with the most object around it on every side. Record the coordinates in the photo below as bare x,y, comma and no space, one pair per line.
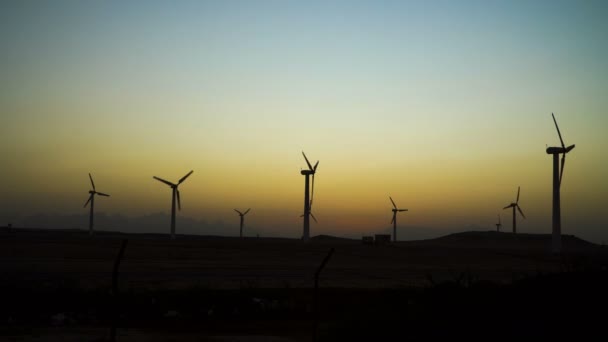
443,104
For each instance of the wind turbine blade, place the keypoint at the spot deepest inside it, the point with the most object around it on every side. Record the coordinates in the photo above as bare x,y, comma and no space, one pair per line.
240,213
186,176
92,183
561,172
179,202
521,212
164,181
89,200
394,217
517,200
569,148
394,205
558,132
498,219
102,194
246,211
507,207
402,209
314,169
314,218
307,162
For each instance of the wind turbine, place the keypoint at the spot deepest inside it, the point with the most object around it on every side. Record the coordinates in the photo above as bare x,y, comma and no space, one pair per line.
558,173
173,196
515,205
242,219
91,199
394,220
498,225
308,196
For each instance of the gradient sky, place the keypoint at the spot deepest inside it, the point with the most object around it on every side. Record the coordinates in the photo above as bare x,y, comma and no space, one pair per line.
444,105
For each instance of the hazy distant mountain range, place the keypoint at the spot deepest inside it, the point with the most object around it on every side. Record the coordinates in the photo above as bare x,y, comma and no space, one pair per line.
159,223
152,223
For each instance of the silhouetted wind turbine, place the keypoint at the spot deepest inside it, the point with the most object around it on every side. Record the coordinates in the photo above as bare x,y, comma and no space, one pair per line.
558,173
91,199
242,219
173,196
515,205
498,225
308,196
394,220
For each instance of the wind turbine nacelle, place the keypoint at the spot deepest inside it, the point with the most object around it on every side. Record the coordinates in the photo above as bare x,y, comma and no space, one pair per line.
307,172
559,150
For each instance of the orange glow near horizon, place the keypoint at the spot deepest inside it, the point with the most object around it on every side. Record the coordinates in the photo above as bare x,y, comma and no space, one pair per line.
448,121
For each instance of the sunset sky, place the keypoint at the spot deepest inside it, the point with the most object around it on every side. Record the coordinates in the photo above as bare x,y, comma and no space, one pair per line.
443,105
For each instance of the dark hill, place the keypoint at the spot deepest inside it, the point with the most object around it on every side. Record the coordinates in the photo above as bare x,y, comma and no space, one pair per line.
330,238
492,239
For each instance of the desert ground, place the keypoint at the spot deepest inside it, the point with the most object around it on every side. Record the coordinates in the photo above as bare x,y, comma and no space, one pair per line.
57,285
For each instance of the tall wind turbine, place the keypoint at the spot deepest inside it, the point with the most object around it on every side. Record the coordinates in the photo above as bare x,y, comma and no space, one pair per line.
498,225
394,220
242,219
308,196
515,205
175,194
91,199
558,173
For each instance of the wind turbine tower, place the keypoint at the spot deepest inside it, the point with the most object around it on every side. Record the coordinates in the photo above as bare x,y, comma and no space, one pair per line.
308,196
515,205
242,215
498,225
558,173
91,199
394,220
175,194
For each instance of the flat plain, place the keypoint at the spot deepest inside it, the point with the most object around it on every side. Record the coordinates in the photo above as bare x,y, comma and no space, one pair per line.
226,288
155,262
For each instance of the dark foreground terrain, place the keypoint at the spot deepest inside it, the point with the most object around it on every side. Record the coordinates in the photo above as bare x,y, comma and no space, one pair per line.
56,286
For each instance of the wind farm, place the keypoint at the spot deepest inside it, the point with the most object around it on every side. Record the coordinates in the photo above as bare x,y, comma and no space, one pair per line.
174,196
92,193
498,224
267,264
308,196
515,205
242,217
447,106
394,220
558,174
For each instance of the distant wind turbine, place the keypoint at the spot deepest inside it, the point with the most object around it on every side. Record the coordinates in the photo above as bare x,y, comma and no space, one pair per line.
515,205
394,220
91,199
175,194
498,225
558,174
308,196
242,215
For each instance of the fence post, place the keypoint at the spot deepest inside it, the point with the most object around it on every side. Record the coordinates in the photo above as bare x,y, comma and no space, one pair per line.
316,294
115,290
